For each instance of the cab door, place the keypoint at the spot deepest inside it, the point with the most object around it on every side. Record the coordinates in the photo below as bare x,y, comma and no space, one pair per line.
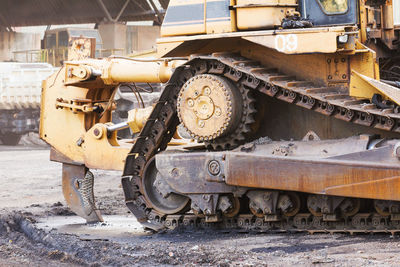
329,12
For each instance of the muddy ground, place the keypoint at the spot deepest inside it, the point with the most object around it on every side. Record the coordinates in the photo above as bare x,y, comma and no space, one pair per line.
37,229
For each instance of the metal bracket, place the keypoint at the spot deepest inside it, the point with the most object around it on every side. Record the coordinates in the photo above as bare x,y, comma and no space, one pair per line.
206,204
79,105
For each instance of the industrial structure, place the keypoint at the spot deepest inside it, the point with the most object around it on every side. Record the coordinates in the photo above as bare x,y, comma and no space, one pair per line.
20,82
109,17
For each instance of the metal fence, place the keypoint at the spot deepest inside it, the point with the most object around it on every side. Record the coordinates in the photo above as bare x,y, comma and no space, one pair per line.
56,56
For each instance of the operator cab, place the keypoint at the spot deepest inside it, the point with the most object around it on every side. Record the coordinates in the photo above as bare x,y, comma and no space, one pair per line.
329,12
191,17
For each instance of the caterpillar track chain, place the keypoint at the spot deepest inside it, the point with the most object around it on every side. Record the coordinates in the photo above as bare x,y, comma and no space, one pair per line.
330,101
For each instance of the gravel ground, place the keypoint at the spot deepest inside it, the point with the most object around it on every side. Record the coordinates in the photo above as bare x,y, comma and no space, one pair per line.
37,229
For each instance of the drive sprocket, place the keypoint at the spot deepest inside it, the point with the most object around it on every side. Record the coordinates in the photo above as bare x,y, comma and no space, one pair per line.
245,127
214,110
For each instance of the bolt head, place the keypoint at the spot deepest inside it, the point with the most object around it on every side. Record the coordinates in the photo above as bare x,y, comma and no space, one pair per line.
218,111
175,172
206,197
77,184
98,133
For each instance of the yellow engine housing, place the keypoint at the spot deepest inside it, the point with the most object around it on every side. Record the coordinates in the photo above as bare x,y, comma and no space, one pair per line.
188,17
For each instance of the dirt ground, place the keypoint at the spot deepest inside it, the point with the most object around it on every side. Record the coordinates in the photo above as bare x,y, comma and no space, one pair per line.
37,229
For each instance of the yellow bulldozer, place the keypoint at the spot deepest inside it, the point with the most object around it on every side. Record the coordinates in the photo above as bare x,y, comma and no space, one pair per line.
291,106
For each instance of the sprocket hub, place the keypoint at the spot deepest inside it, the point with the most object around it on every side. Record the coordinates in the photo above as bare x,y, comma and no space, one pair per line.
209,107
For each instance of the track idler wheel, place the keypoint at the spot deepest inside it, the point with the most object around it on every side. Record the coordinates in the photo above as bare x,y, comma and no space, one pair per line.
291,203
234,207
387,207
77,184
263,203
158,194
257,212
350,206
332,206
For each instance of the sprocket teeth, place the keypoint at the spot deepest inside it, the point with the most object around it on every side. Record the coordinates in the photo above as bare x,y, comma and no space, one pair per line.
250,121
246,129
240,137
252,110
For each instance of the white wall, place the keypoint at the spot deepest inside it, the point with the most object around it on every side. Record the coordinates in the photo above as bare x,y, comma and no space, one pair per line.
113,35
141,38
17,41
396,10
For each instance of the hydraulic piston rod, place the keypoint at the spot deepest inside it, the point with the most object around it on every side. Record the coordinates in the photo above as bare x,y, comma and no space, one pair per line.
118,126
136,120
121,70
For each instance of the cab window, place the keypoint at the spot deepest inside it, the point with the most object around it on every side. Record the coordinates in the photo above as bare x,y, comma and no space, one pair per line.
334,6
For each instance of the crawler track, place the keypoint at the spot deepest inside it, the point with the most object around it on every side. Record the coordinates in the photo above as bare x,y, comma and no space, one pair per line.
329,101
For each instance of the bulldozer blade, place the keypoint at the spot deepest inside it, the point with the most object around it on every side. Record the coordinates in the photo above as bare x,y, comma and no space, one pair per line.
77,184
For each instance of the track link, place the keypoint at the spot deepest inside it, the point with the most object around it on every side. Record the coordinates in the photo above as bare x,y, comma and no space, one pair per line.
330,101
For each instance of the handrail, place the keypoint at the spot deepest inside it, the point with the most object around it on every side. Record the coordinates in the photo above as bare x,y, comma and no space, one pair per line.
54,56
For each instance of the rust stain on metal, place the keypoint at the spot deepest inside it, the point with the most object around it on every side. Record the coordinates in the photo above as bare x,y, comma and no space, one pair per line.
328,177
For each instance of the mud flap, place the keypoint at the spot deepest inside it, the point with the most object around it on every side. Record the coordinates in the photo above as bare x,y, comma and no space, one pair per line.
77,184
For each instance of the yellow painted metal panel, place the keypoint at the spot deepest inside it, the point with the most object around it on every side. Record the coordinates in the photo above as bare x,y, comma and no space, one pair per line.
297,43
267,2
258,14
365,87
